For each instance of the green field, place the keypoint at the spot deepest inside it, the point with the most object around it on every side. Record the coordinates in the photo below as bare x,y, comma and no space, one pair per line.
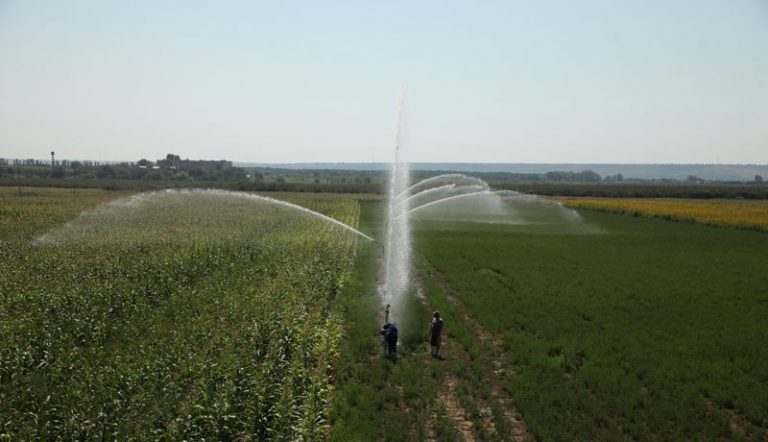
649,330
209,319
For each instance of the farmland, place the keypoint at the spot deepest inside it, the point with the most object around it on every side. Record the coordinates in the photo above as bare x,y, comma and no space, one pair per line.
647,330
202,319
726,213
203,315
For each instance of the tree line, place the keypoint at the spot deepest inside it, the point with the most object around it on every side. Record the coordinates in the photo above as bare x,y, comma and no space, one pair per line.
147,175
140,170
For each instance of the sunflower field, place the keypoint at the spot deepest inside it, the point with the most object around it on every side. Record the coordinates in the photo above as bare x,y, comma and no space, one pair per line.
741,214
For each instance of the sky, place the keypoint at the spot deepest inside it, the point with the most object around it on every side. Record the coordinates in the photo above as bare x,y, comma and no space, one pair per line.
647,81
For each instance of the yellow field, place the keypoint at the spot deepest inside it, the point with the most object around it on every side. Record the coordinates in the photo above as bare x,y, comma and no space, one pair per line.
731,213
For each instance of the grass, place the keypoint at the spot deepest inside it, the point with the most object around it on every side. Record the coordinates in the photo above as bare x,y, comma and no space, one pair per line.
651,330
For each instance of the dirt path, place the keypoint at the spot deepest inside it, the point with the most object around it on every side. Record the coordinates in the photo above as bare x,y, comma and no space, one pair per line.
448,401
468,406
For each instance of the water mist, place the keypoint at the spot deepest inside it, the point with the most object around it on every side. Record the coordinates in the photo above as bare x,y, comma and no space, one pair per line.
398,240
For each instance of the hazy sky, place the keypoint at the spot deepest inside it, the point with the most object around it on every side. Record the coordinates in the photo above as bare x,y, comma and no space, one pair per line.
287,81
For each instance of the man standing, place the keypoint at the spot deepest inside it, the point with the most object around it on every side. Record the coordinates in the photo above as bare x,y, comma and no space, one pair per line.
436,334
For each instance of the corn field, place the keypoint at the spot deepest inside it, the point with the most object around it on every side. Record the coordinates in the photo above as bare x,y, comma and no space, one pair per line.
188,317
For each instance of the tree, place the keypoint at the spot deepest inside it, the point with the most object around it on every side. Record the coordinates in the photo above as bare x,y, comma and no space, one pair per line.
197,173
138,173
759,179
588,176
555,176
105,172
57,172
585,176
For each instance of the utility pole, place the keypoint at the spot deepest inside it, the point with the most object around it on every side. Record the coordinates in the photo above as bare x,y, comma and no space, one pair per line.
18,175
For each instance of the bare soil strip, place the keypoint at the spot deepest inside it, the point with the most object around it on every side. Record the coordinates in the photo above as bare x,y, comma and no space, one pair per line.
738,424
493,355
448,400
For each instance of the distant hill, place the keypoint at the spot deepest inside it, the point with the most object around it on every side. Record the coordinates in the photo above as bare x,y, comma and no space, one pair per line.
710,172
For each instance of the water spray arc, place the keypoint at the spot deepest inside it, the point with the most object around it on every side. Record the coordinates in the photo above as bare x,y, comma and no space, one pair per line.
404,200
447,199
454,187
440,193
307,211
450,179
118,212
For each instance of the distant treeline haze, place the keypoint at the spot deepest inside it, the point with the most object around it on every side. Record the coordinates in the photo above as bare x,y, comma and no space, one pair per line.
174,172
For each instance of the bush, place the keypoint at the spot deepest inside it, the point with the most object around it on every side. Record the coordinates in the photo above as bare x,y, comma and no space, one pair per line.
153,176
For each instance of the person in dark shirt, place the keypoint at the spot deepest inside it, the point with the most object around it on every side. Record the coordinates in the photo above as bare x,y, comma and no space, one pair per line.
436,334
389,332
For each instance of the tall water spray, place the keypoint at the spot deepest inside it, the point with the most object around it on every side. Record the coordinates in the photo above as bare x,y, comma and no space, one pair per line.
398,246
406,201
